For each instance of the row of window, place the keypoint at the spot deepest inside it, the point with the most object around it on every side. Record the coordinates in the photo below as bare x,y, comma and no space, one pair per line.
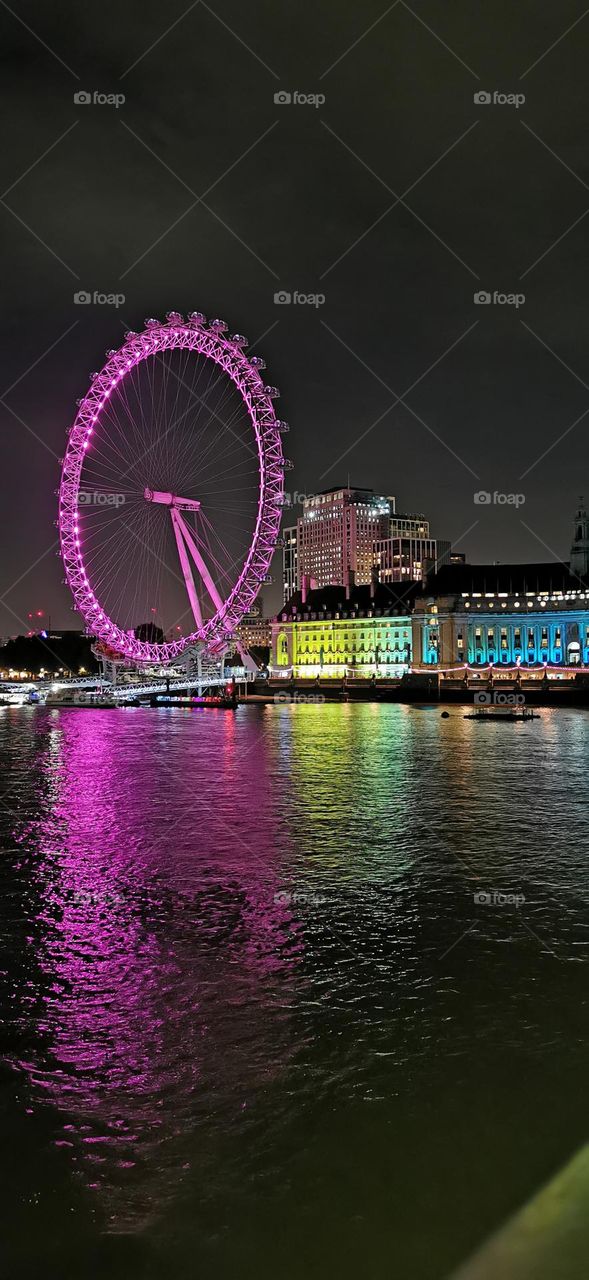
328,617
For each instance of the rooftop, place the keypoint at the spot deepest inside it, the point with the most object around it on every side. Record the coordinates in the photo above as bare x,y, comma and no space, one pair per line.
515,579
393,600
341,488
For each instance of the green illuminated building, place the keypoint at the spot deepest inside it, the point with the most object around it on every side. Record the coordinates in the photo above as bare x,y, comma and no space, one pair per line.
337,632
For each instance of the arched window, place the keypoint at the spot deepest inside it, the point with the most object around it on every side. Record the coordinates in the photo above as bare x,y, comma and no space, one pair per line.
282,650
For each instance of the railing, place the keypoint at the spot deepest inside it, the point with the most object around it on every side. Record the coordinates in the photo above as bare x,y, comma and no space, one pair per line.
125,691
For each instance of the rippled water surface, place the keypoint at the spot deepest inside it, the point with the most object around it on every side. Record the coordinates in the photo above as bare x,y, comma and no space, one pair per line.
255,1021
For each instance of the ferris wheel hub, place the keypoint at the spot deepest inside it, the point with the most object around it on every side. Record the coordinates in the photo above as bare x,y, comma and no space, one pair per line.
171,500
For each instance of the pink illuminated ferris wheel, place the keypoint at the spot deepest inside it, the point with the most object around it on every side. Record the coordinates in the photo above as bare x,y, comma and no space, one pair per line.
172,490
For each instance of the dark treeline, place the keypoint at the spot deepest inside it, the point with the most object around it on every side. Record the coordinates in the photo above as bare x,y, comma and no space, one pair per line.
67,650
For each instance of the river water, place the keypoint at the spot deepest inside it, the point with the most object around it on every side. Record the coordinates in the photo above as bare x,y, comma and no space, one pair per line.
297,991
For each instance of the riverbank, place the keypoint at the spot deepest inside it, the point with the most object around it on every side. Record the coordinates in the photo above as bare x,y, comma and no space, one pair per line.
534,691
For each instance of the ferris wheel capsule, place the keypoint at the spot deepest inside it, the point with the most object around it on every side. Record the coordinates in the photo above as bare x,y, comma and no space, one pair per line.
272,392
197,317
150,323
258,362
174,317
220,326
238,340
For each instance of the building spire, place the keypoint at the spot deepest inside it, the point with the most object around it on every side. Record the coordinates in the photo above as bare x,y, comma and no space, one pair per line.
579,562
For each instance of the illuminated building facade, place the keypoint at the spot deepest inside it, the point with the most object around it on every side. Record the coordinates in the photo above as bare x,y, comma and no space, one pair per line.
290,579
253,631
337,632
408,526
405,559
523,616
336,535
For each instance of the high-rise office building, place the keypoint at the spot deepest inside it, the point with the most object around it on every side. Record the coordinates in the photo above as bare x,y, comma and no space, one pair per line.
290,580
408,526
336,535
404,558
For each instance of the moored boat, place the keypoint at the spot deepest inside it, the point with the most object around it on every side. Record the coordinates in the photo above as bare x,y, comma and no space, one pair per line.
500,714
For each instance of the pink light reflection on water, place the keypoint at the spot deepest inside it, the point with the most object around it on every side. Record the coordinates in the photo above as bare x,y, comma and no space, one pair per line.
162,947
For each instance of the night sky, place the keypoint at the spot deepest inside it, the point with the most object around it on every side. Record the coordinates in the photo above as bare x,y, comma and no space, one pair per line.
295,196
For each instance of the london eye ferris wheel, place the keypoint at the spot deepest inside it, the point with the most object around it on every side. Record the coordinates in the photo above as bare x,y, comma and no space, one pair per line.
172,490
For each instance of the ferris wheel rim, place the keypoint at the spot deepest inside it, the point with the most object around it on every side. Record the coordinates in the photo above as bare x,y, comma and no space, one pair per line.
157,337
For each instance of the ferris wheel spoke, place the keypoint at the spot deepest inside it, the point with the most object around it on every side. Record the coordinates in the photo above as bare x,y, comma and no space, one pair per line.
216,415
219,454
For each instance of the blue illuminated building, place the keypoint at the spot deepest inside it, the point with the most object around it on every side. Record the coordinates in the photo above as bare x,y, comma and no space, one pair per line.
528,616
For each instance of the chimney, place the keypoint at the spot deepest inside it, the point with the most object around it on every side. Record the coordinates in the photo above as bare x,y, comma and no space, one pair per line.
374,580
350,582
304,587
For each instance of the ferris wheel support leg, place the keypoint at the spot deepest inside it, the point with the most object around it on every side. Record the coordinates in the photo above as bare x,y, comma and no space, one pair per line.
178,526
248,662
198,560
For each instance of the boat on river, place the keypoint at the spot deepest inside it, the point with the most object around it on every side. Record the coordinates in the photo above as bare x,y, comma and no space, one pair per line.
500,714
80,699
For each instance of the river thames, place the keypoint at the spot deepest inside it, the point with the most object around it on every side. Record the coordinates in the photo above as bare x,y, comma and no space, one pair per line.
296,991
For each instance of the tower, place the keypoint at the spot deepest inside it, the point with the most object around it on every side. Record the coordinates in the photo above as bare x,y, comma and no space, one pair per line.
579,562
